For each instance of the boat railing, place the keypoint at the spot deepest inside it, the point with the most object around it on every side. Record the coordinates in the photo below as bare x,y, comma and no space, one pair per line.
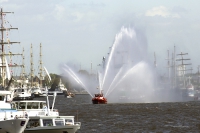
42,113
11,118
55,110
77,123
14,115
38,112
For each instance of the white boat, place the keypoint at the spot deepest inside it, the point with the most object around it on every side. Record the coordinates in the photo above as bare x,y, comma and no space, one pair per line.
190,90
38,92
61,90
22,94
188,93
9,123
45,119
52,124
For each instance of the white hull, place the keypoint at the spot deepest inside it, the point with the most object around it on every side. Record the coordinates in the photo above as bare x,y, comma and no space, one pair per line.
69,96
13,125
54,129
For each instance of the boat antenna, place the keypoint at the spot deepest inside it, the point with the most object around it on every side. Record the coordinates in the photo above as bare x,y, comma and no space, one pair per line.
47,100
54,98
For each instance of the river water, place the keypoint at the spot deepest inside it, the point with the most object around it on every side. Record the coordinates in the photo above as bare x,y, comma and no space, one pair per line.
171,117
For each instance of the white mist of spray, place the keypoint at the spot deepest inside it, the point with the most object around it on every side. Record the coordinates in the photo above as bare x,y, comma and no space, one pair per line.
122,53
127,76
128,72
115,80
124,60
100,81
75,77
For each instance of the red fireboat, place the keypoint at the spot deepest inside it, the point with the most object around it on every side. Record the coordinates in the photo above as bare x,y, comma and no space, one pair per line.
99,99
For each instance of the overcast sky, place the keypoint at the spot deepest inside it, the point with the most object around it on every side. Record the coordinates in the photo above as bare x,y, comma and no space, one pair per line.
82,31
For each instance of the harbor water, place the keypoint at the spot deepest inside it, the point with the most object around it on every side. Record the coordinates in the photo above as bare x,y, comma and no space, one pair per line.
171,117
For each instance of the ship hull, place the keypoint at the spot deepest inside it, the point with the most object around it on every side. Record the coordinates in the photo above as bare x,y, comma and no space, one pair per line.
99,100
54,129
13,125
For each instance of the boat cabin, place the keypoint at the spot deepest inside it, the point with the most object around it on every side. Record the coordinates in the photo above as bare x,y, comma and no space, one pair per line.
5,97
21,90
42,121
98,95
5,106
34,108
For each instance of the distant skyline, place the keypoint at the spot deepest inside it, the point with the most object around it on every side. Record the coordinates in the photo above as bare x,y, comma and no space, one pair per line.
81,32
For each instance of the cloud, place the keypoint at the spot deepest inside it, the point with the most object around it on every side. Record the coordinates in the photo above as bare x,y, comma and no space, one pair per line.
59,12
77,16
1,1
161,11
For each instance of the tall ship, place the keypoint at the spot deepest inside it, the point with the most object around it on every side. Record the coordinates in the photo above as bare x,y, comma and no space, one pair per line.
24,116
8,123
19,90
5,52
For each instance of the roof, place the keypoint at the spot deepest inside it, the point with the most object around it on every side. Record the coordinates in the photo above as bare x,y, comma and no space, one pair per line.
27,101
2,92
48,117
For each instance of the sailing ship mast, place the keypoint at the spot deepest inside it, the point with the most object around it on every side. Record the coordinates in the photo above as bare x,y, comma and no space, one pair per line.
41,76
3,42
32,69
182,66
23,68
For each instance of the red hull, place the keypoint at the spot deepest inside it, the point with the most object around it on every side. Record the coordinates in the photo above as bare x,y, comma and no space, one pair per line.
99,99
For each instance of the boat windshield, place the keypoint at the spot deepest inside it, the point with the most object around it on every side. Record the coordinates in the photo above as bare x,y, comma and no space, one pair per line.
59,122
32,105
47,122
19,90
68,122
1,98
33,123
22,105
13,106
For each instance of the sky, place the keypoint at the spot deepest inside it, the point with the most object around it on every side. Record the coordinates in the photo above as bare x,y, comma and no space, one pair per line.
81,31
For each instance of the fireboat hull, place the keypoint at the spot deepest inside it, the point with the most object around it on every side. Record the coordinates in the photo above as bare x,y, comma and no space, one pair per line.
99,100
